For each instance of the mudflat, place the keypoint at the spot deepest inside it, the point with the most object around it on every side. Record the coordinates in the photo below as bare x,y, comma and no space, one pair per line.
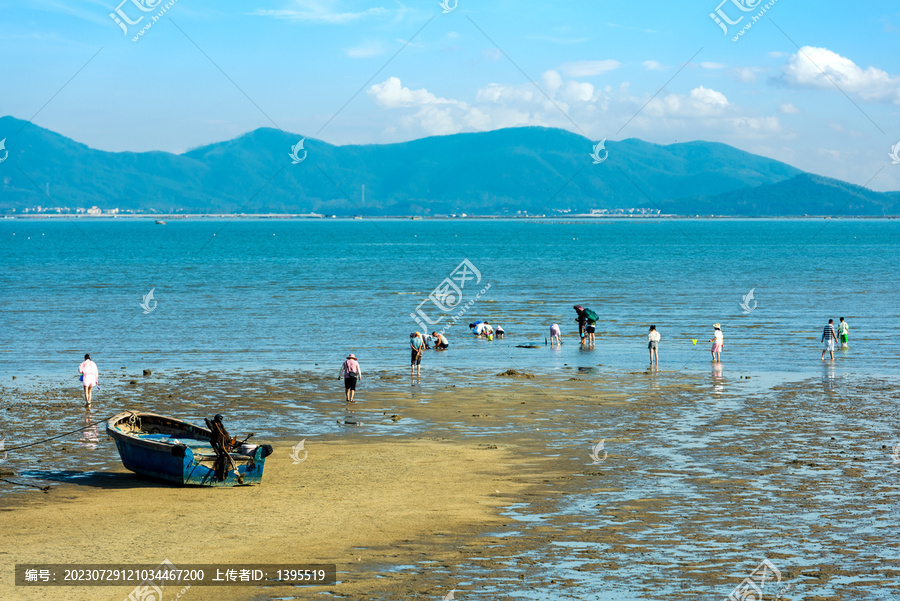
498,488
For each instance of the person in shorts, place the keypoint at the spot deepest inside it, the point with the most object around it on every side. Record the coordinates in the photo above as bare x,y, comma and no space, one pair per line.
352,374
653,344
828,340
416,347
440,341
843,332
589,330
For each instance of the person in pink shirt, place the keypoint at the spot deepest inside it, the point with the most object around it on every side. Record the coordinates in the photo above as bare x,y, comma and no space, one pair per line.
351,373
90,377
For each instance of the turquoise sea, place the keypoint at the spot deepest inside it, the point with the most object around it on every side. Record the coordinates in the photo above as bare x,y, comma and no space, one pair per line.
247,294
793,465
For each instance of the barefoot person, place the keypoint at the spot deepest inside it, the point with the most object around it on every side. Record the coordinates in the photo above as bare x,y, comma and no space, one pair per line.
653,344
90,377
718,342
352,374
440,341
582,323
416,346
828,340
555,335
843,333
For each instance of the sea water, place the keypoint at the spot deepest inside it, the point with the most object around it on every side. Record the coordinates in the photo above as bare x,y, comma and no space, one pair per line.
247,294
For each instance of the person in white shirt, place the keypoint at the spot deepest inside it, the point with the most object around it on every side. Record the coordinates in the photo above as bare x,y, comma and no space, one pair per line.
90,377
718,342
440,341
653,344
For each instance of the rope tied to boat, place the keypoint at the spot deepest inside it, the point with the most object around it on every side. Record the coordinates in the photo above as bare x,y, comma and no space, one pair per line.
37,442
44,488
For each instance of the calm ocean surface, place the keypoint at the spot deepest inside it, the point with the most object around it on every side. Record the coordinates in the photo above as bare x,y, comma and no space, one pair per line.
255,294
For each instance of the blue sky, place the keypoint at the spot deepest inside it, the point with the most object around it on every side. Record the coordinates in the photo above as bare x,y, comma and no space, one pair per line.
814,85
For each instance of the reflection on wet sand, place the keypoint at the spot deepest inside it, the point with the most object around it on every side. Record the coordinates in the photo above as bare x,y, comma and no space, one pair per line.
90,436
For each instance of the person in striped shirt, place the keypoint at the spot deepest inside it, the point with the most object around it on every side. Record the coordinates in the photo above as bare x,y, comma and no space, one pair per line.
828,339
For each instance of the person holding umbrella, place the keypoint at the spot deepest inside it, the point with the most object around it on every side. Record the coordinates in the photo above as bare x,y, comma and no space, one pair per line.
582,321
587,320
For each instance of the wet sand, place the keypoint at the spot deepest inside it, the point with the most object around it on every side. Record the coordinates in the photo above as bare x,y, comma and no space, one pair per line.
487,487
345,504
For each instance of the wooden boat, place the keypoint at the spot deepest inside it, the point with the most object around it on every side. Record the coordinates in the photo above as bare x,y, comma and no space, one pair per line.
165,448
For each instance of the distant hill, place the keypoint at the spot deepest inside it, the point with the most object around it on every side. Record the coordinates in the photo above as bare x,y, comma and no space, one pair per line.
804,194
533,169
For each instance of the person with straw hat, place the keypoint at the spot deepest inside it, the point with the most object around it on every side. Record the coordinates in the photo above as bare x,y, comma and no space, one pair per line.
718,342
351,373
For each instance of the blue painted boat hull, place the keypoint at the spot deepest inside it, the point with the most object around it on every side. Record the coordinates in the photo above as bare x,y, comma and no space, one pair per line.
167,449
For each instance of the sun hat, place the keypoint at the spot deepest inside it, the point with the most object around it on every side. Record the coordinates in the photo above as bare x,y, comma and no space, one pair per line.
717,326
351,356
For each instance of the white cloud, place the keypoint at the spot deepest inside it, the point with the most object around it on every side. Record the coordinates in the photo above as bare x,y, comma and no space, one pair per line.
653,66
391,94
818,67
701,113
552,81
709,97
578,92
492,54
708,65
702,102
789,109
495,92
319,11
588,68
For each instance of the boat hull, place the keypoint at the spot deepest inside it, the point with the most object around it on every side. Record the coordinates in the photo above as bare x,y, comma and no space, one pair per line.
185,462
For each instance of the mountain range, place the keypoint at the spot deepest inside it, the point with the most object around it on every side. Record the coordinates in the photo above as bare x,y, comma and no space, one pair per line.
531,170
